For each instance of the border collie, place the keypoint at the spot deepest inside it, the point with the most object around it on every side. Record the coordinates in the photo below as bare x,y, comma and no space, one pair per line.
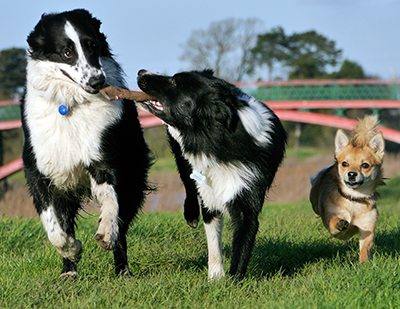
227,147
79,145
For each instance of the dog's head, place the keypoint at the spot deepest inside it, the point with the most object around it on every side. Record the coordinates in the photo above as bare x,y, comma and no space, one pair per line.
73,44
194,100
359,167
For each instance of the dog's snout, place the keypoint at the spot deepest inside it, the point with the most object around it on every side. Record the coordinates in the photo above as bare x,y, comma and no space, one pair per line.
97,82
352,175
142,72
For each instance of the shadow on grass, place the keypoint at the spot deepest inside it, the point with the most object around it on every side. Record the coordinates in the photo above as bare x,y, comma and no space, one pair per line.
287,257
388,242
271,257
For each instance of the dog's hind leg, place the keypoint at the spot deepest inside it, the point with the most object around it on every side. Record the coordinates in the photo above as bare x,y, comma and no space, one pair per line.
245,225
213,225
126,213
59,223
57,211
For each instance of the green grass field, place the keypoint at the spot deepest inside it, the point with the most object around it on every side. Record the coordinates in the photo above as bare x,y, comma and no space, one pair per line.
295,264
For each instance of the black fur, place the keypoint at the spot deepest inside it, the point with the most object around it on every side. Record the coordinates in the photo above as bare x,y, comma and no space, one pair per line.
205,111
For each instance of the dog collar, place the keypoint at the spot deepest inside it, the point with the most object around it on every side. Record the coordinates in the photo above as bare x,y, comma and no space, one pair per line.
371,200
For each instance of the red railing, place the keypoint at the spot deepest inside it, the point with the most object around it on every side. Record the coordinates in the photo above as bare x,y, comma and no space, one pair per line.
285,110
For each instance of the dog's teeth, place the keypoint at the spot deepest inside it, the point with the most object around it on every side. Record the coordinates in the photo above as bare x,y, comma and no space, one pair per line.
157,105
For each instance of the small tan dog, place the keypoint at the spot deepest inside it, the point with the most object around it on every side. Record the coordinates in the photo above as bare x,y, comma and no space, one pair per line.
343,194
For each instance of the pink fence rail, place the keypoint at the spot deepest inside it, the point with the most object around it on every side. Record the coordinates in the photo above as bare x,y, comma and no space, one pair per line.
286,110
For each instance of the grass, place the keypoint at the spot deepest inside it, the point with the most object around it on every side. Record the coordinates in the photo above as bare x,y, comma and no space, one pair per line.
295,264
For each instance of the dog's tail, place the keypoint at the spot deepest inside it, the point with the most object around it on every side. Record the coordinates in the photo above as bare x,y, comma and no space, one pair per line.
366,129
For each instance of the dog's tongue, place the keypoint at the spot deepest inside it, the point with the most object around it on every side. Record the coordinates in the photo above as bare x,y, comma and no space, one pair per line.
115,93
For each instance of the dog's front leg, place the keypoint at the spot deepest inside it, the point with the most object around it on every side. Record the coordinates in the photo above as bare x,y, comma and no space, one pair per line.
366,243
191,205
336,224
213,225
366,225
107,232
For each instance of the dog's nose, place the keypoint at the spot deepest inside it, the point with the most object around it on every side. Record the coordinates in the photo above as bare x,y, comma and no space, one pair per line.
142,72
352,175
97,82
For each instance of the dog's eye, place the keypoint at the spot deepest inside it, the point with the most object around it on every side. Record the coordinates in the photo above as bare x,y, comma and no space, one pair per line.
345,164
68,54
365,165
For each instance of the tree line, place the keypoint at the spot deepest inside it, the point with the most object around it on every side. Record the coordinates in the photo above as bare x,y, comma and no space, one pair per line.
235,50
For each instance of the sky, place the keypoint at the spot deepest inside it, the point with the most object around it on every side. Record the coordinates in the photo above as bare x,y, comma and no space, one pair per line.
149,34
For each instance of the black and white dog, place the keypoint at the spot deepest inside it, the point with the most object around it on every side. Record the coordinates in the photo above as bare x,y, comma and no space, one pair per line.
227,147
78,145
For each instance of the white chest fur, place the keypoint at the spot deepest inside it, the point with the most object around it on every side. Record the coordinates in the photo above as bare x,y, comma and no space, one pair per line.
63,145
223,181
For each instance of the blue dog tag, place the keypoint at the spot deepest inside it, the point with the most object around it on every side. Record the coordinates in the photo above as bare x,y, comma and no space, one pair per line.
198,177
63,110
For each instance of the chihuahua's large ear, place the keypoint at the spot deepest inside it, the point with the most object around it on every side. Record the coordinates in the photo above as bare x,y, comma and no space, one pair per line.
341,141
377,143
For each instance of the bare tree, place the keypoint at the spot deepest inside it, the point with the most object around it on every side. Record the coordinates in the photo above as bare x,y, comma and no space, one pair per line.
224,47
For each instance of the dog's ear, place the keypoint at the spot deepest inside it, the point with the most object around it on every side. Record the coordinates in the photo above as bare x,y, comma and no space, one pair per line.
209,72
341,141
96,23
210,114
227,113
36,39
231,119
377,143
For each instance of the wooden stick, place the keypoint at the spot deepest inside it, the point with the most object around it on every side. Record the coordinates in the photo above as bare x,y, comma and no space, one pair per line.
115,93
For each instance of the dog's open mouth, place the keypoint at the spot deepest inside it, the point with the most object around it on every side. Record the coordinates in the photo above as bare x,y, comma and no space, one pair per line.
156,105
353,184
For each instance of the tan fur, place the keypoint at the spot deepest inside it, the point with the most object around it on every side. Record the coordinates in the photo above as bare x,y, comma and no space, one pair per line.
343,194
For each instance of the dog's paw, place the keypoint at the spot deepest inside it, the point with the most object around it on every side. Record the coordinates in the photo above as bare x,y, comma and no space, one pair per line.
194,223
191,211
70,275
107,234
106,243
123,272
342,225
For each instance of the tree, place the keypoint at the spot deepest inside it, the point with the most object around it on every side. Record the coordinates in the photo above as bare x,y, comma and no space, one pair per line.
246,36
310,54
349,69
271,47
12,72
224,47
